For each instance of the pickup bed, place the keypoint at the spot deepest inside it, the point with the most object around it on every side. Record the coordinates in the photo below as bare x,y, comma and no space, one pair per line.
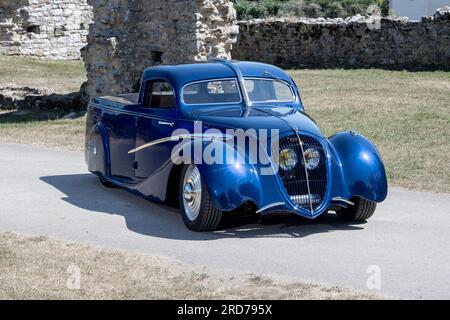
118,101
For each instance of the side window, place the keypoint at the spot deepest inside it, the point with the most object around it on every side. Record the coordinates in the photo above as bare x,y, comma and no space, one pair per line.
160,95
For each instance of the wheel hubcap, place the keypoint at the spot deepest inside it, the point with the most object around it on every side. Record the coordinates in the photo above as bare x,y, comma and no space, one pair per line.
189,194
192,192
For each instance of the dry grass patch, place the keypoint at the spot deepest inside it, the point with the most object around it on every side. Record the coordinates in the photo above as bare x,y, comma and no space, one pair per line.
65,134
60,76
40,268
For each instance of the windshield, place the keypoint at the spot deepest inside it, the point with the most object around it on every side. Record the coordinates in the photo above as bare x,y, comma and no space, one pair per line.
268,90
226,91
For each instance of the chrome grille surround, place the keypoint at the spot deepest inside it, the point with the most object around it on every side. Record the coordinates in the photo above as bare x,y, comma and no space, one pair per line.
306,189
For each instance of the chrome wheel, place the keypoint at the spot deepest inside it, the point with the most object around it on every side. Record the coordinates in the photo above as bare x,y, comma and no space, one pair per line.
192,192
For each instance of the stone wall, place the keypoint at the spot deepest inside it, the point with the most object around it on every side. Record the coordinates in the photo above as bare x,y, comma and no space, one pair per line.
54,29
355,42
130,35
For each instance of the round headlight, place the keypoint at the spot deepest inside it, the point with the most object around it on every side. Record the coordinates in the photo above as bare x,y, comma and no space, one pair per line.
288,159
312,158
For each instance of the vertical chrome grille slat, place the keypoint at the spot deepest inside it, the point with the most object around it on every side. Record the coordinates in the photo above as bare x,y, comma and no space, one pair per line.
306,171
301,183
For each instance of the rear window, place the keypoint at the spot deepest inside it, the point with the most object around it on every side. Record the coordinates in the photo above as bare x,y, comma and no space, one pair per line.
219,91
160,95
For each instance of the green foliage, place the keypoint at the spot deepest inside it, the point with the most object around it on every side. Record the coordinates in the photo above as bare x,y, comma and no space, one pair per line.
253,9
384,6
301,9
334,10
257,9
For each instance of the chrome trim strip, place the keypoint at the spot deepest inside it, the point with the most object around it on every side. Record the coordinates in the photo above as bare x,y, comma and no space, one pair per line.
127,112
176,138
159,141
164,123
339,199
306,171
272,205
237,71
315,198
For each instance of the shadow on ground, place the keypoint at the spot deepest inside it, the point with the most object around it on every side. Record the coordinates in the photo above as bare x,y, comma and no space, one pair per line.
157,220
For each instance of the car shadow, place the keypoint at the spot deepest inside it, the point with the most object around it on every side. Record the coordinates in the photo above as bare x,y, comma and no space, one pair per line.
158,220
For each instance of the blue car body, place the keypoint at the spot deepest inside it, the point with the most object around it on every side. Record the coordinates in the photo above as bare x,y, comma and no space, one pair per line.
352,166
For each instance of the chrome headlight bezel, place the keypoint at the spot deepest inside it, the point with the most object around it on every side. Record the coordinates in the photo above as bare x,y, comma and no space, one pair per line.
288,159
312,158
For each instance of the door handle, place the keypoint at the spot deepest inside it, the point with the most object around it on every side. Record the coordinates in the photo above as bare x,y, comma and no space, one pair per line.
164,123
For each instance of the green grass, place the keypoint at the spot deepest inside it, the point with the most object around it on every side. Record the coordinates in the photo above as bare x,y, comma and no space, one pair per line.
255,9
406,114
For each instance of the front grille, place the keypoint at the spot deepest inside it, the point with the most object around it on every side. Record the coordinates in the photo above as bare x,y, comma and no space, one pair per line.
306,188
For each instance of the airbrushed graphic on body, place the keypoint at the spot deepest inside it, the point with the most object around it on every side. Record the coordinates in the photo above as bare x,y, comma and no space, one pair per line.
222,135
216,147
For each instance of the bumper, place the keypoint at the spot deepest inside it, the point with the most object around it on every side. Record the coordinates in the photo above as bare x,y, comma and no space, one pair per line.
334,203
296,206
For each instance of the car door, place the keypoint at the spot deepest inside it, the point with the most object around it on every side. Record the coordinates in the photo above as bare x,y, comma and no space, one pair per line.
156,121
121,127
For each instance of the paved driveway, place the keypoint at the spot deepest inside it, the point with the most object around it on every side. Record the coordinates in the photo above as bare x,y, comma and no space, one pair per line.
48,192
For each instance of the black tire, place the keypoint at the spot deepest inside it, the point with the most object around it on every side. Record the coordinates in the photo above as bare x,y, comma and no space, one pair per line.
209,216
107,183
362,210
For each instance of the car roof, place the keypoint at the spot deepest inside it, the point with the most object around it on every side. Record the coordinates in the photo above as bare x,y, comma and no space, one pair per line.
181,74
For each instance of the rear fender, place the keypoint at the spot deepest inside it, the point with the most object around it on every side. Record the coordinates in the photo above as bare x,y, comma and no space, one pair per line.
97,150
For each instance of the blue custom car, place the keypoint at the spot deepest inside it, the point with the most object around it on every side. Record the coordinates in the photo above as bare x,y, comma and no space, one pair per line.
133,142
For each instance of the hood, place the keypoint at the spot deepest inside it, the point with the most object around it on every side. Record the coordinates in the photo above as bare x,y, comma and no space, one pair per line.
282,118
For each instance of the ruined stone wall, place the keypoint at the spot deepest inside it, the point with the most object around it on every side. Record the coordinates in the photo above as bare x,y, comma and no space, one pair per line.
130,35
54,29
355,42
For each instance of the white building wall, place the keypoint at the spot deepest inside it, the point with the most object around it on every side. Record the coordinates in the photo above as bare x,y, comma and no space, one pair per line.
416,9
436,4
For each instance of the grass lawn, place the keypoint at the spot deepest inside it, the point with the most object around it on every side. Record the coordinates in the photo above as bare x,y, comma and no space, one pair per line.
62,77
41,268
406,114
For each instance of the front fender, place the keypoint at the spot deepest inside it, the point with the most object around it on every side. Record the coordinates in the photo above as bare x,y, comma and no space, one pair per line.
230,186
357,167
231,183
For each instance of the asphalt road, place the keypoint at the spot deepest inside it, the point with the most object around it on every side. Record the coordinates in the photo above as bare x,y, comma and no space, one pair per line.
407,242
